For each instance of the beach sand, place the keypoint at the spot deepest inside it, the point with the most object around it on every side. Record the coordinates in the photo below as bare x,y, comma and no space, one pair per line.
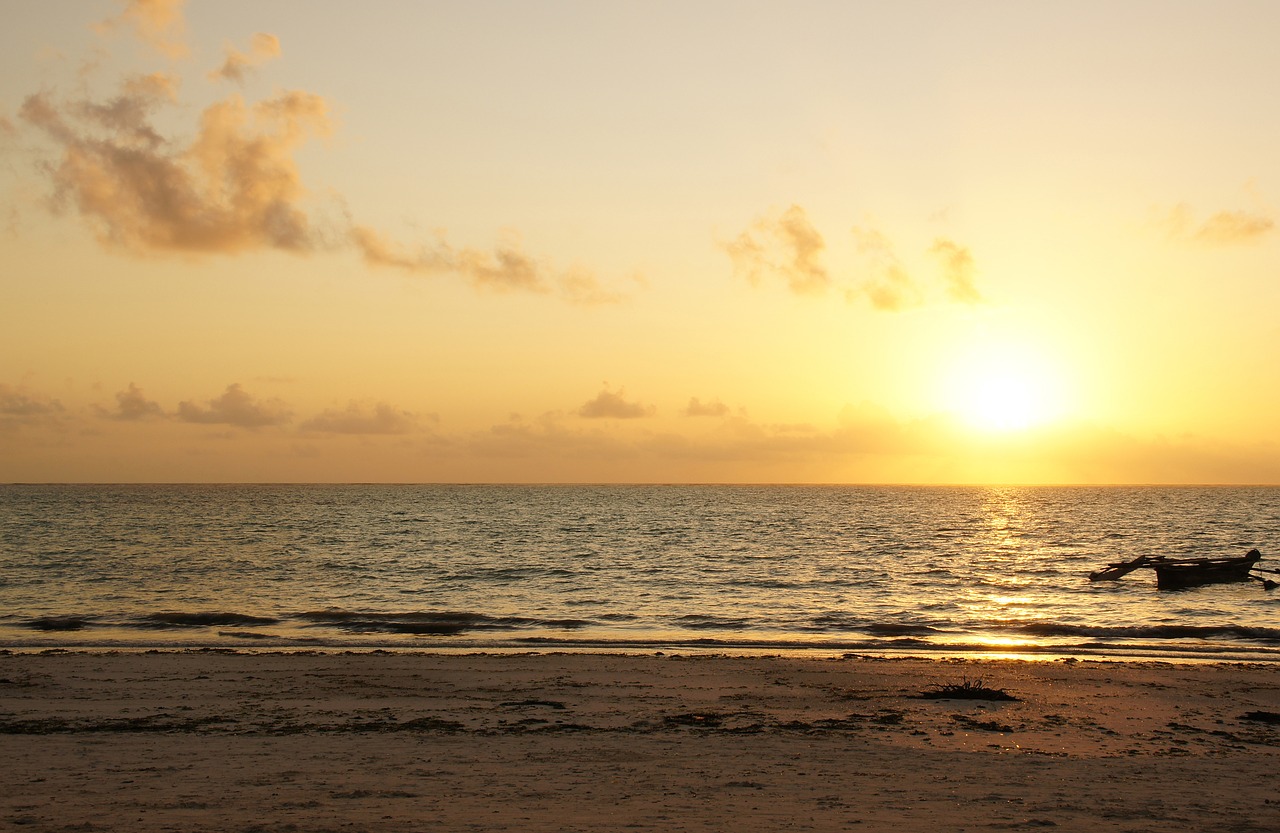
204,740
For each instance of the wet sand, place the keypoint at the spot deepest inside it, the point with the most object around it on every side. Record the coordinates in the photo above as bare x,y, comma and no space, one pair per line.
212,741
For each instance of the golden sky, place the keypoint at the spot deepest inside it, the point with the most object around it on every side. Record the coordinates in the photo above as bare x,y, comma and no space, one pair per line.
719,241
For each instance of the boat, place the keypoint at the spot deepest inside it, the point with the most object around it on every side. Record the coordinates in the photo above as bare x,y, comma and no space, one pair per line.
1177,573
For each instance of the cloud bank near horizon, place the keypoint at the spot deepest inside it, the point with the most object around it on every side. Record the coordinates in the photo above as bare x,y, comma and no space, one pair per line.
610,434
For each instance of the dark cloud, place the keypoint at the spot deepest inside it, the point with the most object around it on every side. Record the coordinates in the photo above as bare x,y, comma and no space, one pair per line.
611,405
235,407
359,419
786,246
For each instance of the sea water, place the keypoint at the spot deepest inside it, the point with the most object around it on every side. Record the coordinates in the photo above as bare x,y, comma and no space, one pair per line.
768,568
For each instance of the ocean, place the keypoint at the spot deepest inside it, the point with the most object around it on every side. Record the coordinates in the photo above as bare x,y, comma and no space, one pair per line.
835,569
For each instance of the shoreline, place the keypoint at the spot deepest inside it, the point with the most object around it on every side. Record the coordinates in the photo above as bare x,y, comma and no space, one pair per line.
1172,654
216,739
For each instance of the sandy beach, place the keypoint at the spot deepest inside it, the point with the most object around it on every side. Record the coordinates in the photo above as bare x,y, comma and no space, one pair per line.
205,741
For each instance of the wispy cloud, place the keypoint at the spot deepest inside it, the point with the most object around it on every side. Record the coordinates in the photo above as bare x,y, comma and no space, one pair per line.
789,247
1224,228
505,268
613,405
158,23
785,246
581,287
957,271
237,408
238,65
361,419
889,287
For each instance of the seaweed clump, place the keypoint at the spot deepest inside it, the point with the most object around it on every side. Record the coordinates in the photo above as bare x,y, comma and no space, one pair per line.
967,689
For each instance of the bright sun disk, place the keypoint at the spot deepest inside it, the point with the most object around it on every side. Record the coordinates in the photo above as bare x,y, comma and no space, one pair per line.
1002,390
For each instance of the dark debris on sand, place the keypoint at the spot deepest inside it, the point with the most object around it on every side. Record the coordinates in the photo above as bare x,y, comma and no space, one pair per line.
967,689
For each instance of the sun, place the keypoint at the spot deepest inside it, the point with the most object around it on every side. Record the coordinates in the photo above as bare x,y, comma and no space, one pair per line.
1002,389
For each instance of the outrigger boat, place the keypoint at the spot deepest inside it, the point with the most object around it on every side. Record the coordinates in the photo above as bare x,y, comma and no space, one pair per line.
1177,573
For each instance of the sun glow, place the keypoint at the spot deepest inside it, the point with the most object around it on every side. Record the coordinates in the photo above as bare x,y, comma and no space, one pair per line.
1003,389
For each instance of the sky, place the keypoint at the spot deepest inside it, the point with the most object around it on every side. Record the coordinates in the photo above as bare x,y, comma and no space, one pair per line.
722,241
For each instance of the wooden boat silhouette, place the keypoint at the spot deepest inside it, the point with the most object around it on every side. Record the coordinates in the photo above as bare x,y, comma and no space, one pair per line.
1177,573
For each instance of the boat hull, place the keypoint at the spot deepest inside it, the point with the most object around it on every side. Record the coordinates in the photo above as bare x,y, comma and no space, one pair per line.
1176,575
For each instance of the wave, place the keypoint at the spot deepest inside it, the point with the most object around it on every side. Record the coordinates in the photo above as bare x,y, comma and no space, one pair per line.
836,623
426,622
899,629
58,623
166,619
202,619
702,621
1129,632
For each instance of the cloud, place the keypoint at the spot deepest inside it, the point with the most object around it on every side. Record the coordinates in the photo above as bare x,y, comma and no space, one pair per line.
377,250
698,408
235,187
786,247
235,407
358,419
1224,228
132,405
238,65
158,23
861,447
125,116
231,185
544,445
957,271
506,268
611,405
1227,227
579,286
19,409
889,288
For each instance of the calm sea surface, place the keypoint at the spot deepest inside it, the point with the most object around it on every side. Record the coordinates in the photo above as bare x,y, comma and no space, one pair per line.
843,569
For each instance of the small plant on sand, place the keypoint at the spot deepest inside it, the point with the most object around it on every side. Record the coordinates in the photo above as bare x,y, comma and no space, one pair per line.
967,689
